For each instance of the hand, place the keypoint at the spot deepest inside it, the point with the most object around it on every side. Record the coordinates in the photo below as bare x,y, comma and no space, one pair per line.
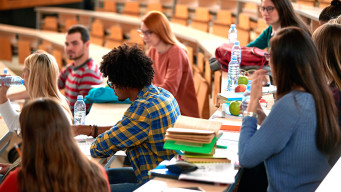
3,93
256,89
4,168
261,114
81,129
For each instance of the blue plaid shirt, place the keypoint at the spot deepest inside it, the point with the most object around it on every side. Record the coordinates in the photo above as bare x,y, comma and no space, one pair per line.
141,132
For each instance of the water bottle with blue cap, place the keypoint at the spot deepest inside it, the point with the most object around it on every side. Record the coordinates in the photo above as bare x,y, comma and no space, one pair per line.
79,111
10,81
233,73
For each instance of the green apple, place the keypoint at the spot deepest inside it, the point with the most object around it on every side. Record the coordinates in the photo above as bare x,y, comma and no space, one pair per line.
234,107
243,80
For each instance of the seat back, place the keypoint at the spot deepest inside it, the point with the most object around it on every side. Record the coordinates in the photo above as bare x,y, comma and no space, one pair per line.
24,50
50,23
131,8
5,49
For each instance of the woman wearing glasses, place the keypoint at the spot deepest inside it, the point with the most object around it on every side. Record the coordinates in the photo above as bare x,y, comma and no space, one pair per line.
171,64
277,14
298,137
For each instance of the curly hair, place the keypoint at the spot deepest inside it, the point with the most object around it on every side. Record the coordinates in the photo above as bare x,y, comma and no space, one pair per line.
127,67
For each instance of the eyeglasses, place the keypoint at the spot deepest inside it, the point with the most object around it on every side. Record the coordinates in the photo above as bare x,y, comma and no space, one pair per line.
267,56
268,9
109,84
144,33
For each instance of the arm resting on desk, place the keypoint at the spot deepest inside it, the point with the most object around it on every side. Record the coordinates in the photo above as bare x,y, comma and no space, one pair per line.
89,129
126,133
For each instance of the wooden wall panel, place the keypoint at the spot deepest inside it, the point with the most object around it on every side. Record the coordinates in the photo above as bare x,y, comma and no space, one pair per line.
18,4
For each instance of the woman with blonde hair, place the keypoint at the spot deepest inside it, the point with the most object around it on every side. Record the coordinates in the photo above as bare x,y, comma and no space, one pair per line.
40,79
51,159
171,64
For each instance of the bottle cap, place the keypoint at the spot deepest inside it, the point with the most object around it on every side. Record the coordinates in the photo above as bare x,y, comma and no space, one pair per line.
22,82
5,71
233,25
80,97
236,42
234,57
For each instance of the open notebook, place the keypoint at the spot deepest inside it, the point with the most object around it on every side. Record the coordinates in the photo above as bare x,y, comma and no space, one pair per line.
84,143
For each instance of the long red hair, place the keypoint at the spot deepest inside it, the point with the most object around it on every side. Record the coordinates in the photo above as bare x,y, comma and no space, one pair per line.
158,23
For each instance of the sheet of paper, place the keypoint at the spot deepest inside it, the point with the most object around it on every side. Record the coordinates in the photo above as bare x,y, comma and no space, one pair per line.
212,172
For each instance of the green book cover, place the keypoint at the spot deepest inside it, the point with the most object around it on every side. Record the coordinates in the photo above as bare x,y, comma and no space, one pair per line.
190,147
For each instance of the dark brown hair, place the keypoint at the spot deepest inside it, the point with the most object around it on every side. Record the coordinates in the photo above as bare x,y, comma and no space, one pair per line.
51,160
295,63
287,16
80,29
331,12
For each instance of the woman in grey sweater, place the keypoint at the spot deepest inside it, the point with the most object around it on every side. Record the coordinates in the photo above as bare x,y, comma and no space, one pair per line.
301,132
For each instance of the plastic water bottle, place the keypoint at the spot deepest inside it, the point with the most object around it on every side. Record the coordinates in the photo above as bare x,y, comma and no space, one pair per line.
236,50
233,73
79,111
11,81
246,99
232,34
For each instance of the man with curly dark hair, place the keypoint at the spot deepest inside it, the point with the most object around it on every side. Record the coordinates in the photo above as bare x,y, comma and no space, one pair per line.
141,132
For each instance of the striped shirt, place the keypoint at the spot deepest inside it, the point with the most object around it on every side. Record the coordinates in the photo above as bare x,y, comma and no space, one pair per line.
141,132
79,80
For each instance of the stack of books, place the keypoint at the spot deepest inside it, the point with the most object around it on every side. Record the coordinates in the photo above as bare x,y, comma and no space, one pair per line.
193,135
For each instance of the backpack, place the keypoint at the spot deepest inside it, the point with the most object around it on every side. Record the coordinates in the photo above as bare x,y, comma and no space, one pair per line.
251,57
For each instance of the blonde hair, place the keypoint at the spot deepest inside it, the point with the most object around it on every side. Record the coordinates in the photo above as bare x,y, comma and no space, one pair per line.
158,23
43,78
336,20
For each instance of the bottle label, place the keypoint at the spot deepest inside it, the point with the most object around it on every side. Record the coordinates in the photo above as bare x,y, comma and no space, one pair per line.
79,118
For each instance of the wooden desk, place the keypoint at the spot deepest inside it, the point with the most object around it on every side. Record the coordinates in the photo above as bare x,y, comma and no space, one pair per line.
57,39
105,114
163,184
332,181
208,42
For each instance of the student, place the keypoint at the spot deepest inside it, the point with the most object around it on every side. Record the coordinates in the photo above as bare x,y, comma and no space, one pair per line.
40,79
327,39
141,132
171,64
277,14
79,76
297,137
330,12
51,160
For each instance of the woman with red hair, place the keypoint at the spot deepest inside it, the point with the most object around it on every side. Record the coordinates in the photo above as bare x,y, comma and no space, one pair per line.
171,64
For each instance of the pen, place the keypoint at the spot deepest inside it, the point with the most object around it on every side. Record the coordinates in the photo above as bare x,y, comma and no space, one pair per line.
222,146
18,150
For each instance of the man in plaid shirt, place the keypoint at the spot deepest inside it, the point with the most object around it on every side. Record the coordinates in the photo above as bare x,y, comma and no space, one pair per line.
141,132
